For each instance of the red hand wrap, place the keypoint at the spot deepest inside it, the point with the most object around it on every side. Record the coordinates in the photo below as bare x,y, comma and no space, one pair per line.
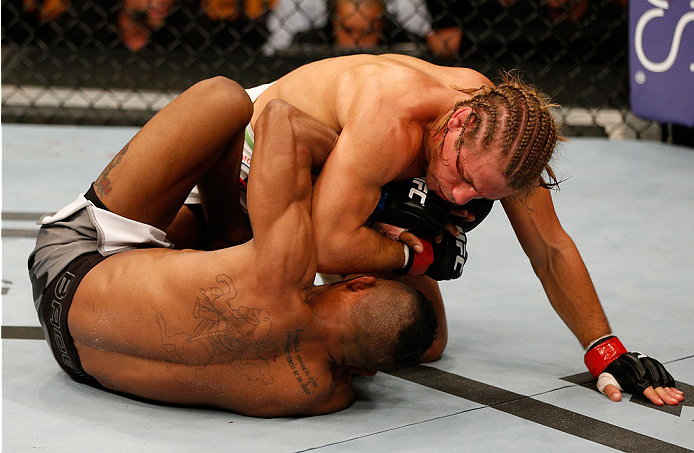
422,261
602,355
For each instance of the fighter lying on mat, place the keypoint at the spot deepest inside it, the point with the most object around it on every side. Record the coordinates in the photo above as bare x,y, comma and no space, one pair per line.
399,118
240,328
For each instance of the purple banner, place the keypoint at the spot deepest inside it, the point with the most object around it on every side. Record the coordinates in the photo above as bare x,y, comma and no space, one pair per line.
661,60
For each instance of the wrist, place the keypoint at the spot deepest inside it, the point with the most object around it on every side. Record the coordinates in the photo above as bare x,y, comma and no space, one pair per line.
601,353
598,341
407,256
416,263
421,261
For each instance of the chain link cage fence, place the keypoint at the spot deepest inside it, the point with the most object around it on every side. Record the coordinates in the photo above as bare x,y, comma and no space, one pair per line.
119,61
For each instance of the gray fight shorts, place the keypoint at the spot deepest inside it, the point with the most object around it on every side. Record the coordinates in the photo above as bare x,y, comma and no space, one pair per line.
69,244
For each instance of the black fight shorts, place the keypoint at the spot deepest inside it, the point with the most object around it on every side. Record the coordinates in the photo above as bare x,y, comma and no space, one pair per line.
55,305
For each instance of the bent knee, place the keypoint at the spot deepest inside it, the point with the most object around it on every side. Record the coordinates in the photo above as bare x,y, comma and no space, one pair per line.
226,95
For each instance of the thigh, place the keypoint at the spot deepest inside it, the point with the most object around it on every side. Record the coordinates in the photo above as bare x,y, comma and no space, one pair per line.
210,229
151,176
188,229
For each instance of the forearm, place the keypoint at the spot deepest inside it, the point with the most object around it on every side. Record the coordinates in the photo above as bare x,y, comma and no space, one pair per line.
573,296
361,251
571,292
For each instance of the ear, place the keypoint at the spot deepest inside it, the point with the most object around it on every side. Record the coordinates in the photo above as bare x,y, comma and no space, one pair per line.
361,283
458,118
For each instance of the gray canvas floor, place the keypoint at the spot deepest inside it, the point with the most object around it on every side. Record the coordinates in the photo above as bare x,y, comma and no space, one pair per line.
512,378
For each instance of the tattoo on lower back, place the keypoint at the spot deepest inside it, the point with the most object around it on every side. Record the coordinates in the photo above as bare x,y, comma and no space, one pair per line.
103,183
292,352
226,332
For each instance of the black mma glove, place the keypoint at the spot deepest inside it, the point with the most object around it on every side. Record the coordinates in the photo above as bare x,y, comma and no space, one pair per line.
479,207
407,204
442,261
450,256
633,371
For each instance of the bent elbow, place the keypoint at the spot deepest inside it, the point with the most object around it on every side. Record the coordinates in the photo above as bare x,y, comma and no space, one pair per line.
276,111
328,260
333,249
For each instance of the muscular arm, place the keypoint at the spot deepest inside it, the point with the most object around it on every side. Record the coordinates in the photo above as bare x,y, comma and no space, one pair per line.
558,264
279,192
365,158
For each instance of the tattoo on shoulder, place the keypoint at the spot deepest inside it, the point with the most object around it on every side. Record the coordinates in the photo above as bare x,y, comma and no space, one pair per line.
227,331
292,352
103,183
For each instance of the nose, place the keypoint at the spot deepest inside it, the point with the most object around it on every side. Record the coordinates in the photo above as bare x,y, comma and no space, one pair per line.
463,194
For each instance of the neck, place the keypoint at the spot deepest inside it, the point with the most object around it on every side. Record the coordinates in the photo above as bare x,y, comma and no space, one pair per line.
438,108
327,324
432,140
428,146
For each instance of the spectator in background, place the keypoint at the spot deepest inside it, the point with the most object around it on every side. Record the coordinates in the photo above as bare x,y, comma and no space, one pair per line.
48,9
290,17
446,35
55,22
357,23
573,10
138,19
230,10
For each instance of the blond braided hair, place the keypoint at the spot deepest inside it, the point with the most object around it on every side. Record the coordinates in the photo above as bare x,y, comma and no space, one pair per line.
518,117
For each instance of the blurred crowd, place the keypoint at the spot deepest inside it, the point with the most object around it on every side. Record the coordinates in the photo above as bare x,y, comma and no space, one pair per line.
344,23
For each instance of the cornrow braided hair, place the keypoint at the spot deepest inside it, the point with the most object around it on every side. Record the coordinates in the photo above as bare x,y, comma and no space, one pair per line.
518,117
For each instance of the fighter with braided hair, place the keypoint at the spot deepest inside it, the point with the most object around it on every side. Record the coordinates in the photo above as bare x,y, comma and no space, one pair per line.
470,142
